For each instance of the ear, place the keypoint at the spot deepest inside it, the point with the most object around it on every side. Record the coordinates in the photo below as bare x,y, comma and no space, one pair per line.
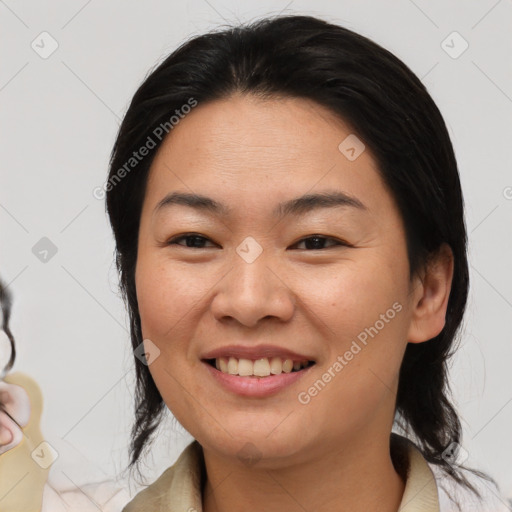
430,296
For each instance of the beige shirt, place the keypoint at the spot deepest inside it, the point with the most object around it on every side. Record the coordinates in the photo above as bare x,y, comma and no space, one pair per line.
178,489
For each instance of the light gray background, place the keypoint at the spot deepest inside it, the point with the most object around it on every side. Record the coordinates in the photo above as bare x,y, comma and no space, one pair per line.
59,116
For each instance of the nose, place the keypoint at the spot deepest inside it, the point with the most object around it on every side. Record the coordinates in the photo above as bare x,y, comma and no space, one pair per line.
252,291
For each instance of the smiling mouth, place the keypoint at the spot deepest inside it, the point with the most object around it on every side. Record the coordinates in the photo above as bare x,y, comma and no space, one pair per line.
264,367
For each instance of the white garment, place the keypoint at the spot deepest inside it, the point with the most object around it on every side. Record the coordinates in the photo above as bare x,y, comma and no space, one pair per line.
109,496
75,484
492,500
105,496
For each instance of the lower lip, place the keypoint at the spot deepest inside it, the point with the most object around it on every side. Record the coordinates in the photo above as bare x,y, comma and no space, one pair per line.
256,386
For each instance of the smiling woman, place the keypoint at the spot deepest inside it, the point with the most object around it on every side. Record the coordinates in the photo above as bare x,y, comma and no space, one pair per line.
299,233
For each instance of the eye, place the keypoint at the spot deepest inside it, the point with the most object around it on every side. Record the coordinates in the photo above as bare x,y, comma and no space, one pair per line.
193,240
317,242
314,242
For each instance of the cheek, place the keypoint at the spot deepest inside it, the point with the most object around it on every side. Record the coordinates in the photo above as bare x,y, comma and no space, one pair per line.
364,309
353,296
166,294
166,298
373,320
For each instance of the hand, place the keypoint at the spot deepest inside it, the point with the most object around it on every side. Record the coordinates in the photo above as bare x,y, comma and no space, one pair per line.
14,405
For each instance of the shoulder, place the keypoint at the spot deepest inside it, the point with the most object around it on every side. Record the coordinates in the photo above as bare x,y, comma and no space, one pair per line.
452,493
427,483
152,497
87,498
178,486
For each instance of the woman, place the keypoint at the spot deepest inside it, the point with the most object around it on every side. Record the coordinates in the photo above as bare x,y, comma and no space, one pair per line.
290,238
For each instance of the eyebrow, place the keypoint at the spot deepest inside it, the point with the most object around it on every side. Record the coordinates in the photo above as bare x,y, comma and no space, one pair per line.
294,207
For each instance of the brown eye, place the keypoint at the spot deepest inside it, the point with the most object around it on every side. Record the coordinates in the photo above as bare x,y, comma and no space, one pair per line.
317,242
192,240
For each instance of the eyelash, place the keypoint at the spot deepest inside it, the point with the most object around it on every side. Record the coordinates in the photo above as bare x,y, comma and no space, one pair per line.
173,241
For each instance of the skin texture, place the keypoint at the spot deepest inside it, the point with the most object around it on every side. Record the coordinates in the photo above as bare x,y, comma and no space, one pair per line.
16,403
250,154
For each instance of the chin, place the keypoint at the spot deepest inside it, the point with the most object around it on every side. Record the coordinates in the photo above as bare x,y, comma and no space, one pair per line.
258,446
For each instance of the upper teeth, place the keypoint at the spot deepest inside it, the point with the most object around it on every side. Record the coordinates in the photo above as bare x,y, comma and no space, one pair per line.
260,367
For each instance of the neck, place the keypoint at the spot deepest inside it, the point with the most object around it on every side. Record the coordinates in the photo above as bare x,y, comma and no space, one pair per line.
360,476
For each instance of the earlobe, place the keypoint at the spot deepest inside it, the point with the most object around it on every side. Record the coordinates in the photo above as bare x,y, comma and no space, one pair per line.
429,307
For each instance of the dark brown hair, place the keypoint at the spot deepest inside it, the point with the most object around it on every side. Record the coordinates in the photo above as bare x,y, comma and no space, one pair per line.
5,305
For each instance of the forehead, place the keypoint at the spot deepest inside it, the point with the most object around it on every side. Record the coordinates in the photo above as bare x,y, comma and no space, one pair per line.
245,128
246,149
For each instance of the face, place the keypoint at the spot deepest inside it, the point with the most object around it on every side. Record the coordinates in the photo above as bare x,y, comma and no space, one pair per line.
327,280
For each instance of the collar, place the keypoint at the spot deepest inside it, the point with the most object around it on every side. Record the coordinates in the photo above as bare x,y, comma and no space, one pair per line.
178,489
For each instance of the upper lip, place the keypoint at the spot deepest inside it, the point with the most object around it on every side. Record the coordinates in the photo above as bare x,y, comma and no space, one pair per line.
255,352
